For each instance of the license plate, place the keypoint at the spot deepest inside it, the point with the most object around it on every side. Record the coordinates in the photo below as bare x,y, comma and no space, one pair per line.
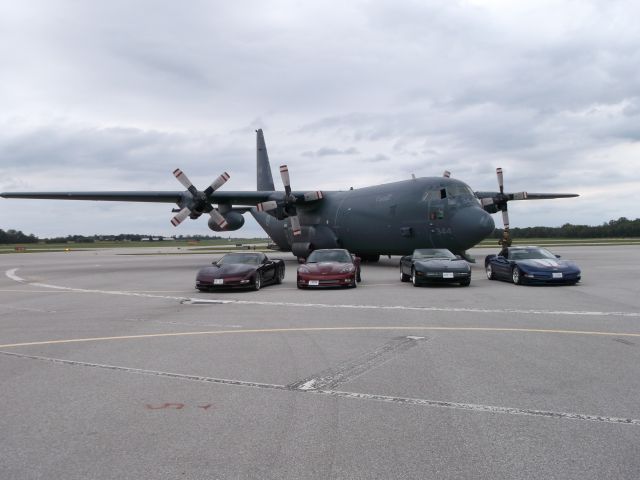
218,281
557,274
447,274
314,283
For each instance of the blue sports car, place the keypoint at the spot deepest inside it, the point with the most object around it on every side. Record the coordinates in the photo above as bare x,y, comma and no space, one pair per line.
531,265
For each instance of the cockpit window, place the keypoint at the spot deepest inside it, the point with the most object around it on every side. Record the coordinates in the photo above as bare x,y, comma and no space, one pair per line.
459,190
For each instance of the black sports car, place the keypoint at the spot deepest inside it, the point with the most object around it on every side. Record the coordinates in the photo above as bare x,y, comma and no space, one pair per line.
248,270
531,265
434,265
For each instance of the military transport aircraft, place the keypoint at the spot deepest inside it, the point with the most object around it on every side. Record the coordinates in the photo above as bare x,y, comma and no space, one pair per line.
389,219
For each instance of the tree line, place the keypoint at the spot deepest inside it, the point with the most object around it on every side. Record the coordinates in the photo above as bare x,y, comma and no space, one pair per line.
620,228
13,236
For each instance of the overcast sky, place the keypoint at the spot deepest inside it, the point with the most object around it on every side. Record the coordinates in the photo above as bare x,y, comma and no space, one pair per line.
114,95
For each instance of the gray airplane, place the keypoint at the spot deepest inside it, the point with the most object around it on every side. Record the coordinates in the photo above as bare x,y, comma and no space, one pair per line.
389,219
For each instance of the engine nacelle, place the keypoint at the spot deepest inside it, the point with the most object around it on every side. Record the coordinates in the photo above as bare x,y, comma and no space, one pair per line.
234,220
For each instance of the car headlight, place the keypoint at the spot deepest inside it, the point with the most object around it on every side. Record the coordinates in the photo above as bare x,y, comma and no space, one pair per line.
348,269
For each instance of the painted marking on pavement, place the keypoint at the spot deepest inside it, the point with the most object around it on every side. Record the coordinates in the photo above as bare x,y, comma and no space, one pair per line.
349,395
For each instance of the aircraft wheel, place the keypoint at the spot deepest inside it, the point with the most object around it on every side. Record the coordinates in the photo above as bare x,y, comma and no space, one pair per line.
516,276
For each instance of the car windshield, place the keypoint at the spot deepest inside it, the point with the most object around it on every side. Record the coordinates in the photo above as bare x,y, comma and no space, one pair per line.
246,258
432,253
340,256
530,254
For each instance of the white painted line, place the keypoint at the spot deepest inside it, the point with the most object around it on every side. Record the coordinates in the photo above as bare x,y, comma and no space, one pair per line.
481,408
12,275
504,311
25,309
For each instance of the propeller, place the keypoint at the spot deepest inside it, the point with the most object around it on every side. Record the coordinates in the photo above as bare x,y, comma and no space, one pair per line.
500,202
289,201
199,203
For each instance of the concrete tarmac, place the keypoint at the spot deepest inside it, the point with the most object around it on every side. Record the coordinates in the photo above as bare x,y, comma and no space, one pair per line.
112,366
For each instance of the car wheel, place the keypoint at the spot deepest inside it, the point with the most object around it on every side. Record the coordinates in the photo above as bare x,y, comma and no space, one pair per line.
465,283
358,277
279,275
354,284
257,282
404,277
516,276
414,280
489,270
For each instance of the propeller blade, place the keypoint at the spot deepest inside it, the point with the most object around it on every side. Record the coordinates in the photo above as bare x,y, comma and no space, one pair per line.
295,225
217,183
446,174
218,218
505,219
500,179
267,206
312,196
184,180
179,218
518,196
286,181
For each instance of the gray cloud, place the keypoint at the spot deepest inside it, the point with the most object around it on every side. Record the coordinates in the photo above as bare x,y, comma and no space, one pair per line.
115,95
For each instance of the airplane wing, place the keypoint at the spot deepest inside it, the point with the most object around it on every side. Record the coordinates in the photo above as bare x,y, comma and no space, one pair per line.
234,198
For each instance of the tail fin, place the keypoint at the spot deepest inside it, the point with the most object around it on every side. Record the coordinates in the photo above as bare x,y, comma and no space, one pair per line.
264,178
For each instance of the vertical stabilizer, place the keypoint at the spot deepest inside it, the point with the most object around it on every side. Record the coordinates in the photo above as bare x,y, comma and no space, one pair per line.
264,178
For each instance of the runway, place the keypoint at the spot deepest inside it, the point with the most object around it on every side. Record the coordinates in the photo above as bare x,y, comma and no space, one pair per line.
113,366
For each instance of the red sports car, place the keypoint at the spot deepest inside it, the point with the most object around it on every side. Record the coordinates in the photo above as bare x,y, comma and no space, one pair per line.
248,270
329,268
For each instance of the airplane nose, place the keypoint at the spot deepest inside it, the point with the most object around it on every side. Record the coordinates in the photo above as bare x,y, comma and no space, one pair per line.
471,226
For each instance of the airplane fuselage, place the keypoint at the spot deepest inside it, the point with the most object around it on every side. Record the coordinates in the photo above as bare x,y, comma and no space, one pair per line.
388,219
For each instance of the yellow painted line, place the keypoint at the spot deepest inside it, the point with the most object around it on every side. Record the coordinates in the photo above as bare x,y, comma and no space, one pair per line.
324,329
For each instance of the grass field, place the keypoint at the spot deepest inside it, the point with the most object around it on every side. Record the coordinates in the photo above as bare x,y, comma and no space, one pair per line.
191,246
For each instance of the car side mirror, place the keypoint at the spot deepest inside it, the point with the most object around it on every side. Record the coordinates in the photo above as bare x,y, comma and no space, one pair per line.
459,257
558,256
